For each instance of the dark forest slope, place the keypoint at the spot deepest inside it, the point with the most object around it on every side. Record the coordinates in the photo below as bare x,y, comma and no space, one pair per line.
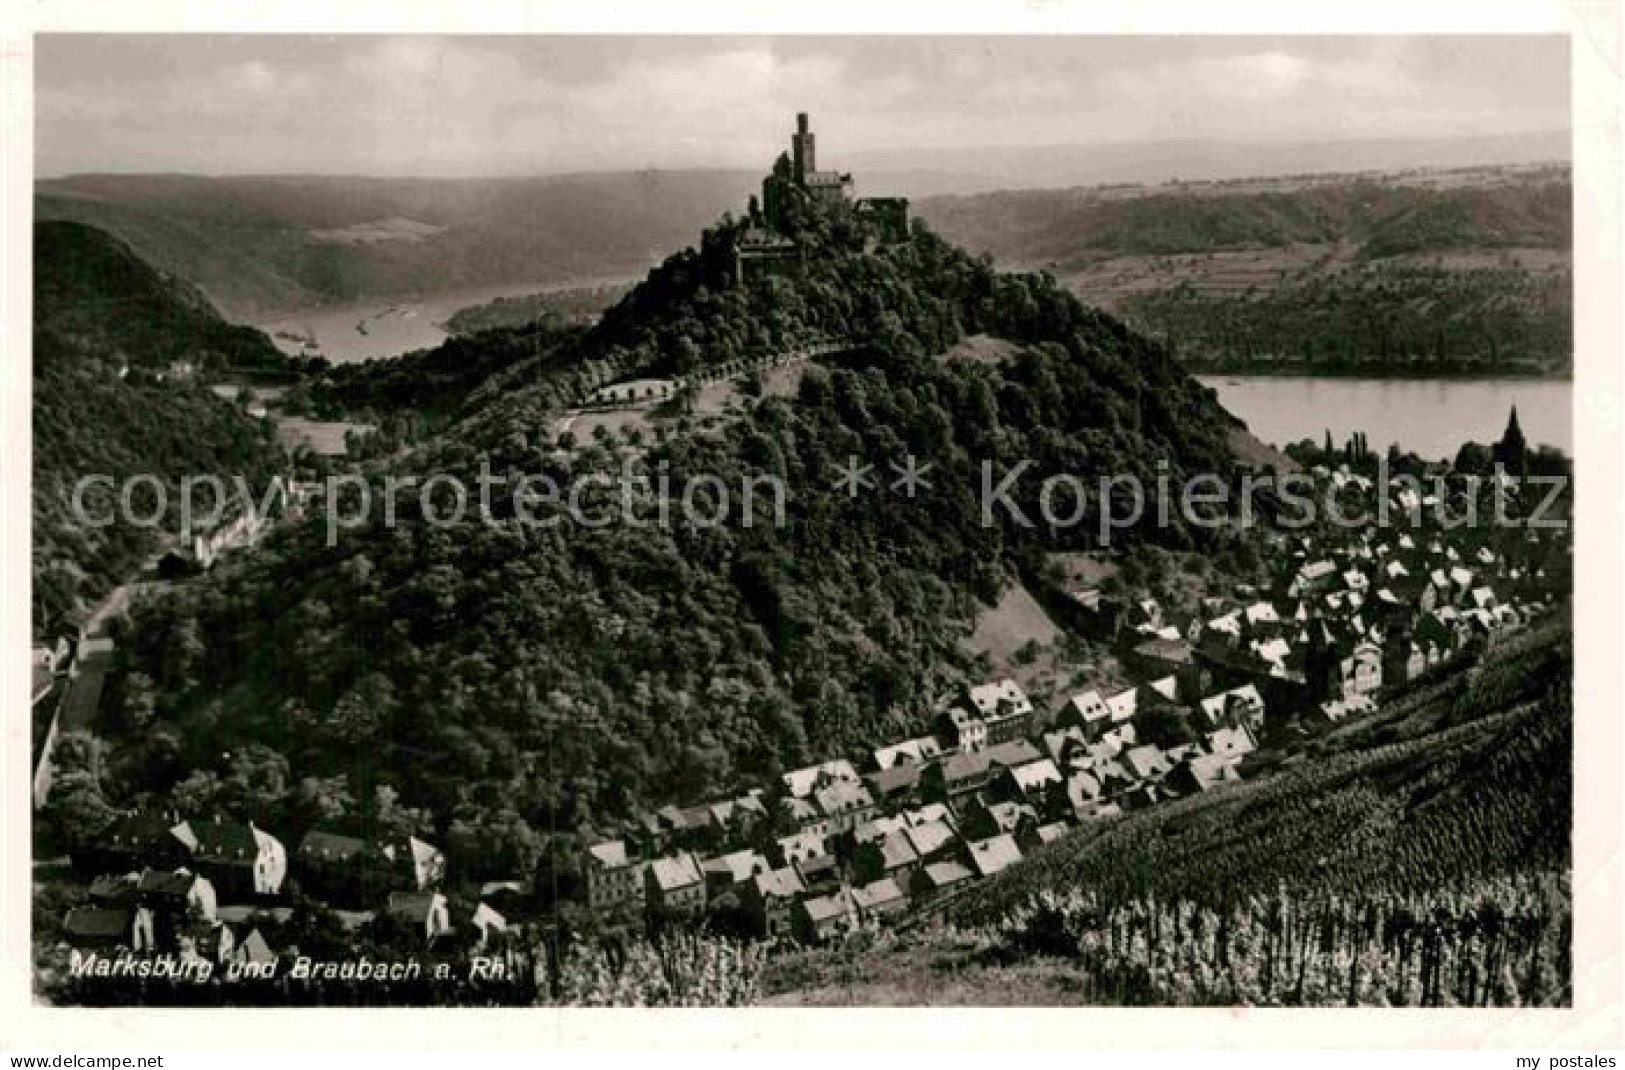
1403,275
257,244
507,677
100,407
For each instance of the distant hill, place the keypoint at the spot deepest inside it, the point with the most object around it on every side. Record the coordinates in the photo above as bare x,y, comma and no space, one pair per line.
261,245
95,294
110,400
926,170
1458,272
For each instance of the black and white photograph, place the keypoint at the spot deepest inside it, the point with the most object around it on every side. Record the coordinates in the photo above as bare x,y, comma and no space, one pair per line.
822,521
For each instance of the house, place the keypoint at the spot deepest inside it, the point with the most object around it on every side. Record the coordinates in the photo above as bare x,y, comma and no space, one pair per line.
879,900
959,774
896,785
981,819
1261,615
929,814
1338,710
725,871
427,911
242,861
1239,706
801,783
1030,780
488,922
1168,657
421,863
892,855
879,828
1004,708
675,884
613,879
1083,791
99,928
1124,705
805,813
1066,746
343,869
1315,577
933,840
738,816
802,846
1200,773
1033,838
243,944
179,893
993,854
821,875
114,890
941,876
130,843
1360,671
910,751
845,803
1232,744
826,917
1147,611
770,898
965,729
1166,688
1402,658
1146,762
1088,712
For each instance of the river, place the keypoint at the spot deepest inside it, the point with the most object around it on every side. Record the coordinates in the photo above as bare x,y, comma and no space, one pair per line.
387,328
1431,417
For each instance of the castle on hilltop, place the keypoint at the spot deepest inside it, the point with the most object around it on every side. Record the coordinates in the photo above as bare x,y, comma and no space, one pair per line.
766,247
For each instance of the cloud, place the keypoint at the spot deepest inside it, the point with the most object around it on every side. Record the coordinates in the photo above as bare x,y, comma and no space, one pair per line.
468,105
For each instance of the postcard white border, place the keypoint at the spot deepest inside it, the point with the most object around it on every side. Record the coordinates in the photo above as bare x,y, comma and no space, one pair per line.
1594,1022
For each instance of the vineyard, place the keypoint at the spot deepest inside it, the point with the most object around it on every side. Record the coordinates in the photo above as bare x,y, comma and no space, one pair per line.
1500,942
1422,860
682,970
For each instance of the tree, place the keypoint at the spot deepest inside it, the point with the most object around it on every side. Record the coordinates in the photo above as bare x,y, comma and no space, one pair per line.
77,810
1473,459
140,701
326,799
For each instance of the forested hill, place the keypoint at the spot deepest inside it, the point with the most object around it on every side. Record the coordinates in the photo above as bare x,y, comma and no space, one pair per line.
1416,274
1381,217
505,678
106,327
94,294
263,244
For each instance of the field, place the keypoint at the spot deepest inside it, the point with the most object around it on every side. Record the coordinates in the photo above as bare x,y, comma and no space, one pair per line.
324,437
1019,640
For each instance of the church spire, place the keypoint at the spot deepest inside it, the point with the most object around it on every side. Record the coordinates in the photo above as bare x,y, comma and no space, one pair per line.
1510,451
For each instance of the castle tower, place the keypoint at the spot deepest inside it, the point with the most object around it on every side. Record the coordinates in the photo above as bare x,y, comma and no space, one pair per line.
802,150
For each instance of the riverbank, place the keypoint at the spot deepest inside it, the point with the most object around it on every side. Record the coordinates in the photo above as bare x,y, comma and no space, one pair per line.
1431,417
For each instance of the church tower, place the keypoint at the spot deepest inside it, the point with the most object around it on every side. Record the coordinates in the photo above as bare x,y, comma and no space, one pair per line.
1510,451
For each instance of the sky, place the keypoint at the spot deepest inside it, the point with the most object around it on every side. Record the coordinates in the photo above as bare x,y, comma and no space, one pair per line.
502,105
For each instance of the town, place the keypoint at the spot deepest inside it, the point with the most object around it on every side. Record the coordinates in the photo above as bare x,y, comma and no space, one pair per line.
1349,620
